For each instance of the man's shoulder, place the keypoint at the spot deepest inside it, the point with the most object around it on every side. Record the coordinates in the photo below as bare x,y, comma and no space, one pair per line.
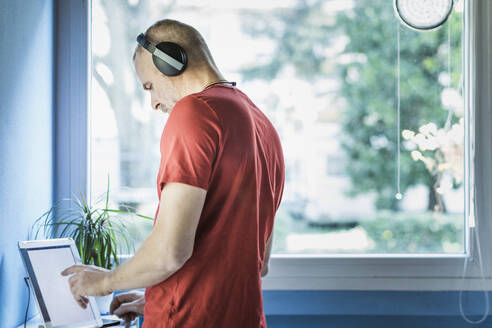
191,106
192,112
225,96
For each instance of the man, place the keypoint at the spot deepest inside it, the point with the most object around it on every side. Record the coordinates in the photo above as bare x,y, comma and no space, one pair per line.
220,183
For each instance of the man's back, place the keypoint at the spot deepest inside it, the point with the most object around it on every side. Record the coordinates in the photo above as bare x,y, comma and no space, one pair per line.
220,141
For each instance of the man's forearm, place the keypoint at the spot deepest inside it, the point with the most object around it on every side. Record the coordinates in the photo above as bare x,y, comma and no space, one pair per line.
149,266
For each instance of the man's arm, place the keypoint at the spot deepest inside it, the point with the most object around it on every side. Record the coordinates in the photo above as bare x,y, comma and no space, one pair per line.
169,245
163,253
266,258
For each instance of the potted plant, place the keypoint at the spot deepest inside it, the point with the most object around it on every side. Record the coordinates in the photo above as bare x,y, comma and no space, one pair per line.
98,232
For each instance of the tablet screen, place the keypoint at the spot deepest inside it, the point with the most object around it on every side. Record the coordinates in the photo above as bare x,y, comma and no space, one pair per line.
61,307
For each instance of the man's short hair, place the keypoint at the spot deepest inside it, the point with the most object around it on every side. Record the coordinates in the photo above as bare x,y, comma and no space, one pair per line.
184,35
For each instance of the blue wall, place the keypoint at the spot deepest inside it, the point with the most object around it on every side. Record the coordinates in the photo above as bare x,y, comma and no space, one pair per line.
353,321
26,108
381,309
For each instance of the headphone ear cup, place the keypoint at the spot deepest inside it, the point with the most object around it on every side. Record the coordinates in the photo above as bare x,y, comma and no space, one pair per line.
175,51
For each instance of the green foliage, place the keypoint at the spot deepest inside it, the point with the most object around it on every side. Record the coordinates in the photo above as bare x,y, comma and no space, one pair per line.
397,232
368,81
388,231
372,102
98,234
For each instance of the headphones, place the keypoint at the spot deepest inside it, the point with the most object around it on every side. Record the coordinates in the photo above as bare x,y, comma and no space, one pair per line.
169,58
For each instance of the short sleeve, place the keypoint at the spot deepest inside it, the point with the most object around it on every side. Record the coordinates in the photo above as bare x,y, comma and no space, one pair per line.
189,144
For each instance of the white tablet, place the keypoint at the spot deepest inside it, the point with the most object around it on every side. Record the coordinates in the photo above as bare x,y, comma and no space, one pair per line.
44,261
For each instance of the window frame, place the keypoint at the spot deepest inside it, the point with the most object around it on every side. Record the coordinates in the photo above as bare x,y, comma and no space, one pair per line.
73,63
306,271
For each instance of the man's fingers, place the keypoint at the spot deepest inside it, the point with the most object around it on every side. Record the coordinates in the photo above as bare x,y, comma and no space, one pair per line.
124,308
71,281
72,269
81,303
129,317
126,297
80,299
73,290
114,305
120,299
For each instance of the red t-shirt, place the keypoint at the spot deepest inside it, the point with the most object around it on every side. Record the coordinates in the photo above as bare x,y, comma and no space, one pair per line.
218,140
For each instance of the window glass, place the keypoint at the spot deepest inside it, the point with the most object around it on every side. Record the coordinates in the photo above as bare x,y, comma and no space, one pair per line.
326,74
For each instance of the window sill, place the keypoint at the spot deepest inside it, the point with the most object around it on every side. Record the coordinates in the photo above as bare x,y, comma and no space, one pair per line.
392,273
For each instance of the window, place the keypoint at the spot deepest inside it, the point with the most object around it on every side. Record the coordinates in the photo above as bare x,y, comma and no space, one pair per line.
325,73
346,116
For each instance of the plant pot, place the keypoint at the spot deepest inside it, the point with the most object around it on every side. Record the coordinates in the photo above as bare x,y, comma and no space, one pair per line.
103,303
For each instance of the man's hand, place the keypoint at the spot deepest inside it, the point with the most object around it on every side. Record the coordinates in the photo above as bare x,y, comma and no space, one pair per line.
87,280
128,306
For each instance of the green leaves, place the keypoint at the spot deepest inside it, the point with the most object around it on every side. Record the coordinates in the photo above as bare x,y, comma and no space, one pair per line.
359,45
100,234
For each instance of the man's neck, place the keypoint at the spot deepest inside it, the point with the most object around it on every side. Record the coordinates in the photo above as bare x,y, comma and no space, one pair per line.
196,82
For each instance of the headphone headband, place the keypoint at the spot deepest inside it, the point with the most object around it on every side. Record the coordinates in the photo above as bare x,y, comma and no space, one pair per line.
155,51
